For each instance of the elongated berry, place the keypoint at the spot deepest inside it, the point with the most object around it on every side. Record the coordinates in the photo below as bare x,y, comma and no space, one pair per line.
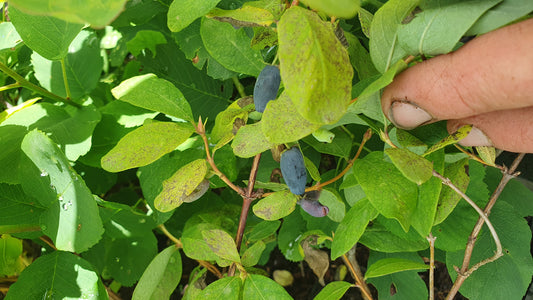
266,87
293,170
314,208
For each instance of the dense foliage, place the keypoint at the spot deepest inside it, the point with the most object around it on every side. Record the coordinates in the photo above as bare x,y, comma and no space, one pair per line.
130,142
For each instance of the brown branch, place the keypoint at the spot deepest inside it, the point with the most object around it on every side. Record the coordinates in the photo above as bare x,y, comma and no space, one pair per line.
464,272
431,239
246,203
211,268
357,274
200,129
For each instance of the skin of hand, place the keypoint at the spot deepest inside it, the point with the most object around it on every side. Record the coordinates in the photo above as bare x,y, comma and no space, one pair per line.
488,83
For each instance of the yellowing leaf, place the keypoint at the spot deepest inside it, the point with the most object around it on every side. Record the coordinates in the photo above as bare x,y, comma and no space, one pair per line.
315,67
180,185
244,16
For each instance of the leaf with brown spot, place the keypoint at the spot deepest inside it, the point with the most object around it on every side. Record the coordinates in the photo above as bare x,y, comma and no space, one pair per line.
276,206
181,185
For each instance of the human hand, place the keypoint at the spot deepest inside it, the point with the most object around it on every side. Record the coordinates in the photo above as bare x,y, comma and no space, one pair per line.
487,83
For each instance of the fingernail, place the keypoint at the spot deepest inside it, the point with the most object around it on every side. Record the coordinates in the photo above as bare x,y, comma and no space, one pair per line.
407,115
476,137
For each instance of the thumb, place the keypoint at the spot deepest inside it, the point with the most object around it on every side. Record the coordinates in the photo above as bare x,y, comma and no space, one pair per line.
490,73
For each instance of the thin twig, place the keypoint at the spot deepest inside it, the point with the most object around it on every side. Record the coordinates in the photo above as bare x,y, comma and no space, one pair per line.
200,129
448,182
48,241
65,79
170,236
464,272
211,268
476,158
239,86
431,239
357,274
10,86
39,90
366,137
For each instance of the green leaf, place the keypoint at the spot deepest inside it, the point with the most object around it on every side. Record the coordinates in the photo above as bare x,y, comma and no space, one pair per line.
384,48
388,190
207,95
148,91
428,197
71,128
227,121
216,217
10,261
98,13
59,275
231,47
182,13
275,206
312,169
161,277
190,42
385,79
180,185
252,255
145,145
291,231
365,18
10,138
510,275
352,227
72,221
359,56
10,37
430,33
448,199
246,16
333,291
341,147
48,36
391,238
504,13
453,138
281,123
487,154
336,206
145,39
17,210
315,67
412,166
222,244
263,230
388,266
225,288
83,66
250,141
261,287
453,232
406,285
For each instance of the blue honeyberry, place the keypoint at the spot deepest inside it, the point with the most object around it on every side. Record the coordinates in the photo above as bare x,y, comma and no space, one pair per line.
293,170
314,208
266,87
